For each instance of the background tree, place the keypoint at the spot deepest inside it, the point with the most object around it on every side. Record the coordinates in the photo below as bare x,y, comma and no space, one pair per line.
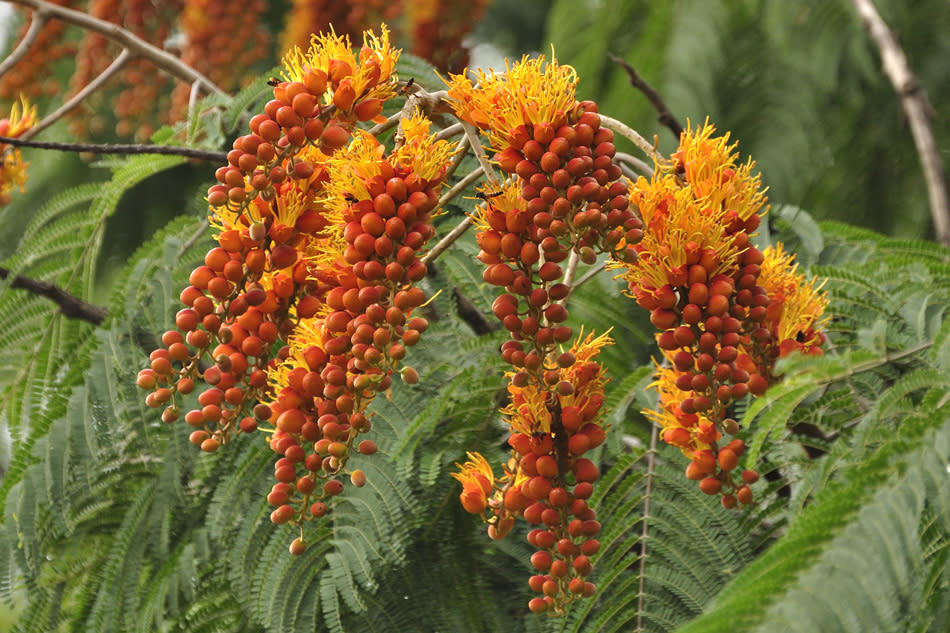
112,521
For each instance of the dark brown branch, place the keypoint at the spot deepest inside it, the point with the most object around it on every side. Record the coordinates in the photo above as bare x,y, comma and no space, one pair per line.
473,316
665,116
113,148
71,306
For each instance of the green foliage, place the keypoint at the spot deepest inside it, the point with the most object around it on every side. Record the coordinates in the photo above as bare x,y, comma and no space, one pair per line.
798,82
113,521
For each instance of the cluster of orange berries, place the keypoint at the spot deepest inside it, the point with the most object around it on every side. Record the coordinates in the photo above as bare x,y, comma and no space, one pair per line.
223,41
723,323
317,257
143,97
564,196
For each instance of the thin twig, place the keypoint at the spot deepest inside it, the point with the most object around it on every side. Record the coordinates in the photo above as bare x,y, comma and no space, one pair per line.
639,166
119,148
571,271
644,533
70,305
587,276
200,232
140,48
448,240
632,135
460,151
665,116
389,123
918,112
453,130
124,57
462,226
37,21
460,186
476,145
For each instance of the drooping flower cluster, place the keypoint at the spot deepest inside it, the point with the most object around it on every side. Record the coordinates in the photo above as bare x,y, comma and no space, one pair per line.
547,480
564,198
725,310
319,238
12,167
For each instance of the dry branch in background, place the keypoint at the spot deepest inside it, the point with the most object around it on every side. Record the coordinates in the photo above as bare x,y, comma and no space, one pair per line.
918,110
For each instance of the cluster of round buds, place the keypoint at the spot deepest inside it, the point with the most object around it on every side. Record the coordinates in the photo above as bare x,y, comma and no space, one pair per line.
721,322
318,247
331,371
565,197
548,479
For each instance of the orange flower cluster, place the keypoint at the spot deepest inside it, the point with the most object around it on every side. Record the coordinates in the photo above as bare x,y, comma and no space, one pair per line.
320,233
564,196
725,310
547,480
223,41
12,168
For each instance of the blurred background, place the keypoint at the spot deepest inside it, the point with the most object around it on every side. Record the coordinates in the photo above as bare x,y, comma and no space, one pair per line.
798,83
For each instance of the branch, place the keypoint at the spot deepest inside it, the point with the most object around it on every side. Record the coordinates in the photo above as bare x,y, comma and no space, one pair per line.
918,112
631,135
462,226
665,116
127,40
74,101
113,148
71,306
37,21
638,166
472,134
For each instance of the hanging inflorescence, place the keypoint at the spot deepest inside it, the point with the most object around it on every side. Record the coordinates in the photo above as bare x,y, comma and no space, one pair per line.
725,310
565,200
320,231
304,310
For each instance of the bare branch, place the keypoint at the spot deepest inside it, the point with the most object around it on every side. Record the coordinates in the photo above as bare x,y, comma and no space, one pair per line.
460,151
665,116
37,21
74,101
128,40
639,166
472,135
114,148
587,276
448,240
631,135
453,130
918,112
70,305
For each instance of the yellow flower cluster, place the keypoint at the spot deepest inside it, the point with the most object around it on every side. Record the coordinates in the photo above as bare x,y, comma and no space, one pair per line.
532,92
12,167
